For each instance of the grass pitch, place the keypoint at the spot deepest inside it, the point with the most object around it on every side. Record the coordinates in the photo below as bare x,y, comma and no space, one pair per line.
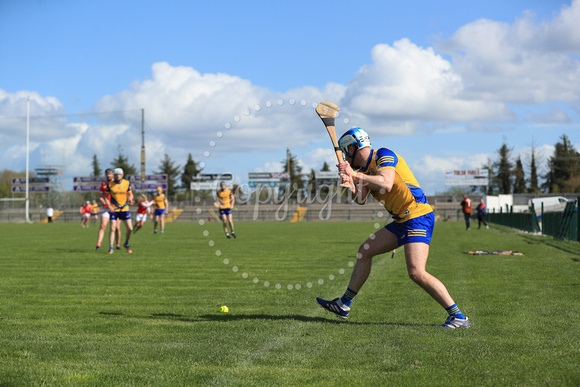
71,316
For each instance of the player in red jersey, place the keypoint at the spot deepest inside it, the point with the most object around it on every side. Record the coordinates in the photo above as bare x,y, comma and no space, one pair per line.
143,208
85,212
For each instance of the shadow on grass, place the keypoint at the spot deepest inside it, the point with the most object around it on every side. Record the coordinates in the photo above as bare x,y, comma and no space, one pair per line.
222,317
235,317
552,243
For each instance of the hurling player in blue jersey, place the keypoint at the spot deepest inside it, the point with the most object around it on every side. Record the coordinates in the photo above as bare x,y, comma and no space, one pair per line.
386,176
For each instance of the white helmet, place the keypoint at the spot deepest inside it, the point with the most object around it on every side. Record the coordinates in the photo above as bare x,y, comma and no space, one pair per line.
355,136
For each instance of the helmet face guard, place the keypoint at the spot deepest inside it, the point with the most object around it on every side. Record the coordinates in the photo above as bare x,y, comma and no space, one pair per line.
356,137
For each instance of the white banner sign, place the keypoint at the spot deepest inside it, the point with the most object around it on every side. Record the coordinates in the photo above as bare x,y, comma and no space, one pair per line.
326,175
466,177
205,185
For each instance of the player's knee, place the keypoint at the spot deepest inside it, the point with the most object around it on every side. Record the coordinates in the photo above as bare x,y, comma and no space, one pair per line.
364,252
417,276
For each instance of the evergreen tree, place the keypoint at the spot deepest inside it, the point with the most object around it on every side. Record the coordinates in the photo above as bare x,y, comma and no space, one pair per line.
122,161
533,182
312,182
169,168
190,169
291,164
491,188
503,170
519,177
96,167
325,167
564,168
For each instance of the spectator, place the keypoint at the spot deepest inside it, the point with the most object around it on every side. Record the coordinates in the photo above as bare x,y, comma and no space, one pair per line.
466,209
481,214
49,213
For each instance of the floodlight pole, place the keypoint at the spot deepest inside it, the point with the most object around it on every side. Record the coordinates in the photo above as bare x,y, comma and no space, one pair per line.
142,148
27,200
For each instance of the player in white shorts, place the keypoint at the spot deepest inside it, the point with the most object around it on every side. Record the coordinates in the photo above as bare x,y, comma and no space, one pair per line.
105,216
144,207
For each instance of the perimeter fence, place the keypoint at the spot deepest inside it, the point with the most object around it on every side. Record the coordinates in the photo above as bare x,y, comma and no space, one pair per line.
559,225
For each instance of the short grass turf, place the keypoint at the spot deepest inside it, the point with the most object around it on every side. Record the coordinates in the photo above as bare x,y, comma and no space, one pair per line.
72,316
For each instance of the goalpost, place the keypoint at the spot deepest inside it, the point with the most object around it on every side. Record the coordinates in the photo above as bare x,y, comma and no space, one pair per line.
30,196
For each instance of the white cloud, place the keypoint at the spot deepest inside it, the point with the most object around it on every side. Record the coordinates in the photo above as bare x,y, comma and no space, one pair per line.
523,63
217,112
555,115
407,82
478,126
270,167
430,170
316,158
46,116
563,33
180,99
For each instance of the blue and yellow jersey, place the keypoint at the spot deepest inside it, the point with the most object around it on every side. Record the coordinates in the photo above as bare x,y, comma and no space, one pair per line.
225,197
406,199
159,200
119,195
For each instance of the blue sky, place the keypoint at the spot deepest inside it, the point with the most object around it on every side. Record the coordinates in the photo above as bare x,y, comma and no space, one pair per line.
443,84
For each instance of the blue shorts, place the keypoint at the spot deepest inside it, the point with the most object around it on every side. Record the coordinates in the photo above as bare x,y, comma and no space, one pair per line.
414,230
225,211
159,211
121,215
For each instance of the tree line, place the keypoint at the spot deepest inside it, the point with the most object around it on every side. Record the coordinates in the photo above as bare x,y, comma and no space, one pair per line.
507,175
178,177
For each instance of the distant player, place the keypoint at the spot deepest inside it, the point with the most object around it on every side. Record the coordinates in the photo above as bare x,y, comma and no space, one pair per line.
85,211
143,208
94,212
226,202
49,213
161,208
105,215
385,175
121,197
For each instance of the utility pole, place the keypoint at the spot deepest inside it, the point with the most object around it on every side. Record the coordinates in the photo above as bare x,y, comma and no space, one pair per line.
27,204
142,147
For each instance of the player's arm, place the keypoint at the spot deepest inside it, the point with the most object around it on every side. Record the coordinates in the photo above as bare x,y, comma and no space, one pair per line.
381,182
360,192
108,203
232,199
130,200
384,180
102,198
